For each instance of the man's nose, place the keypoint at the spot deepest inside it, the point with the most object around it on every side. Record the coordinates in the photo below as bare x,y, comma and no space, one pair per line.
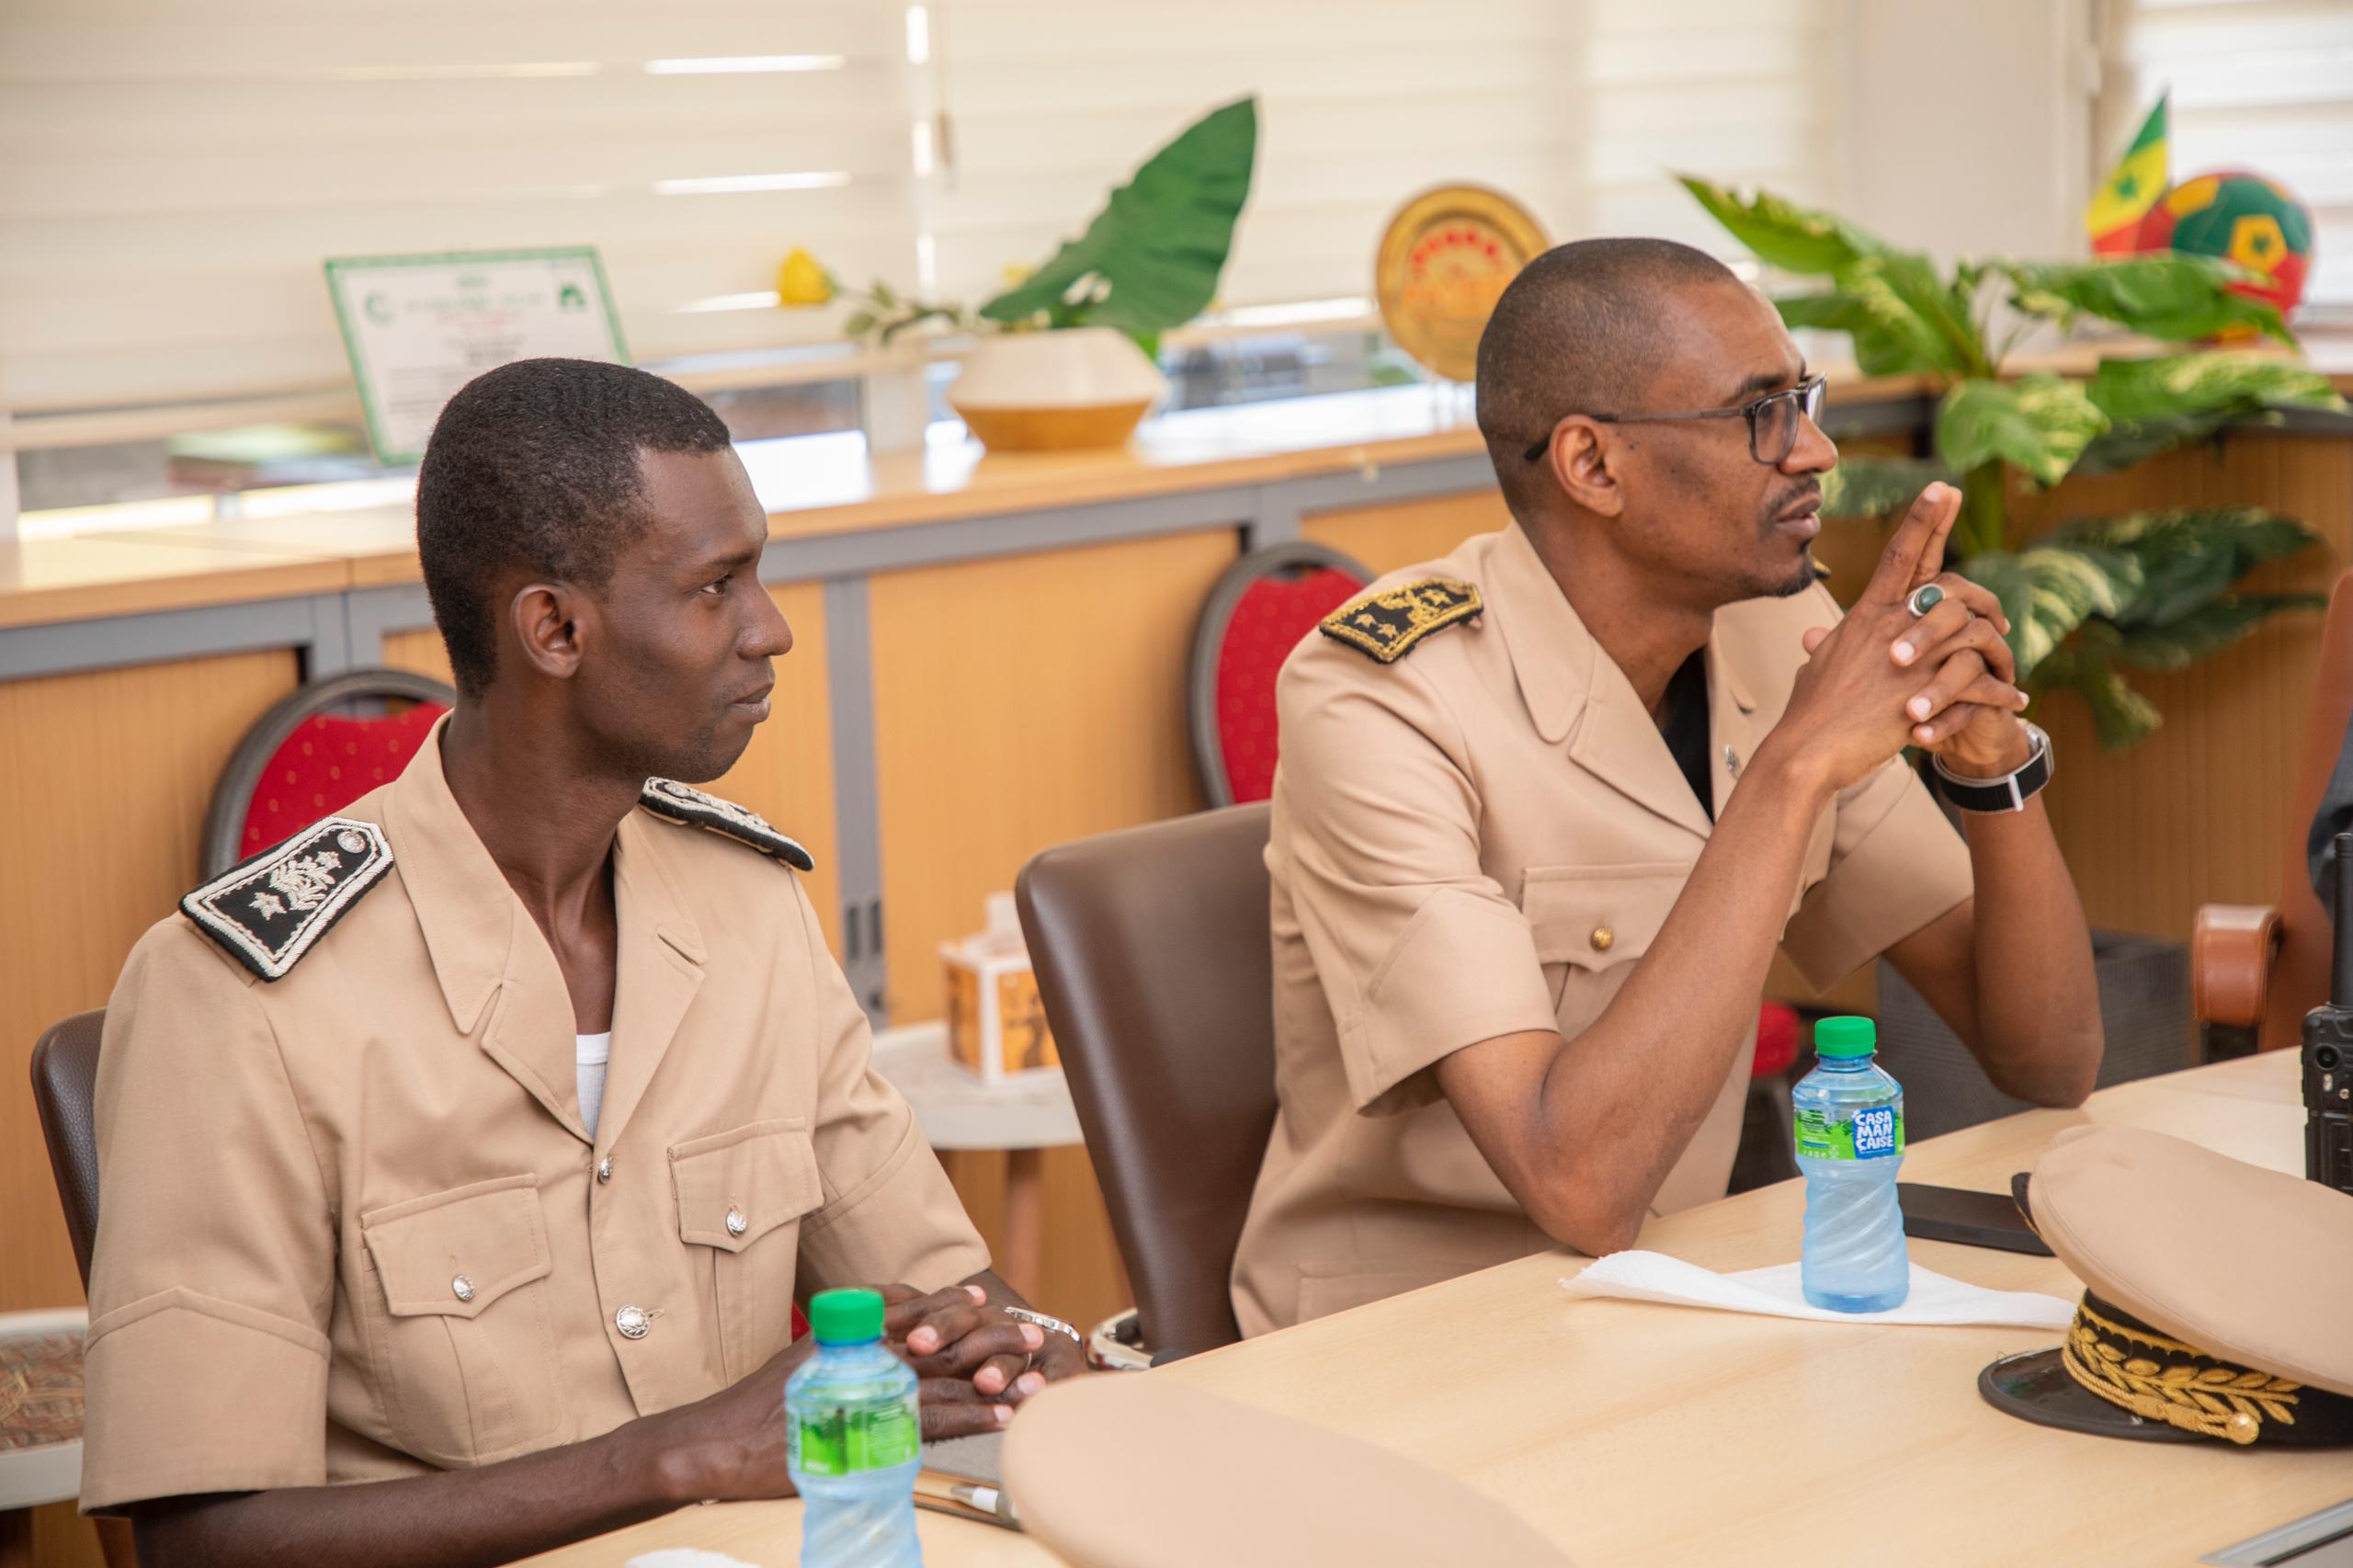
1814,453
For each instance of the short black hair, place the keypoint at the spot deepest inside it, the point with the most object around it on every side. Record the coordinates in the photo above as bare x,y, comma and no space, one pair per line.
533,468
1575,332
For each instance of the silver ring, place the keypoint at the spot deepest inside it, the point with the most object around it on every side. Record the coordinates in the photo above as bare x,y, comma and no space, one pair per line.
1924,598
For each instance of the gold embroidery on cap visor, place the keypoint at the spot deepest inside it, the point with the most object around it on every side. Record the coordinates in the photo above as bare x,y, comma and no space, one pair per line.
2202,1394
1384,625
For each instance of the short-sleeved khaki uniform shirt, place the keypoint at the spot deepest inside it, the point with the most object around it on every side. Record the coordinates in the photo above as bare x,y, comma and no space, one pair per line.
1482,838
353,1228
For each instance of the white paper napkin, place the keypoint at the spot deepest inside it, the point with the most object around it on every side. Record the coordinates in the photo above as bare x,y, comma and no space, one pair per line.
1654,1277
685,1557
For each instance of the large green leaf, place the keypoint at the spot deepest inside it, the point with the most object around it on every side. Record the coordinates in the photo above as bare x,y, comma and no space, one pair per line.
2188,557
2049,591
2156,404
1781,233
1878,487
1882,347
2131,389
2120,716
1906,303
1160,242
2040,423
2166,295
2207,630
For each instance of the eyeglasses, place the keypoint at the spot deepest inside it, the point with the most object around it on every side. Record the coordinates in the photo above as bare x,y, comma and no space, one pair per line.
1772,421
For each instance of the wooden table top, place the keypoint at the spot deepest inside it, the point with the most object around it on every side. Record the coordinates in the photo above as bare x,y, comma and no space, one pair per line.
1637,1434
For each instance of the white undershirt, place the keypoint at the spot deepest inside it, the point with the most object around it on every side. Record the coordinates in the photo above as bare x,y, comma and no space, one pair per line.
590,1053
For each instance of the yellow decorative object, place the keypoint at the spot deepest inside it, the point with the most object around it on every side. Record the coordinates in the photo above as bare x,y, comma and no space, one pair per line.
1446,258
802,281
1079,387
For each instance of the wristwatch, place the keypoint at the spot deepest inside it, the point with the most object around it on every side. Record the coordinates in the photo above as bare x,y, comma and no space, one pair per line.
1051,1325
2012,790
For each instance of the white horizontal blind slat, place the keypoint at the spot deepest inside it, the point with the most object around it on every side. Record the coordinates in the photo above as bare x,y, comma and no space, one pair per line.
175,177
1744,93
2259,85
1052,102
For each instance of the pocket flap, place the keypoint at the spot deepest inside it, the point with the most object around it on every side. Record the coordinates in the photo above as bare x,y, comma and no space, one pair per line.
735,1188
452,1254
1600,916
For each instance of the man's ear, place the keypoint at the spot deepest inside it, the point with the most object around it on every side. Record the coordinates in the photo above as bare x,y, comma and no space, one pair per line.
1585,464
546,618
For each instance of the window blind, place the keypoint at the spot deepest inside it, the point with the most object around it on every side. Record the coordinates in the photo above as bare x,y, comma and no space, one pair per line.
177,174
1744,92
2259,85
1577,111
1050,103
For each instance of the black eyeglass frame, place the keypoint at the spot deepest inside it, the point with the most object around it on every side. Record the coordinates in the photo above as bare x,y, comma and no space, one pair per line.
1807,397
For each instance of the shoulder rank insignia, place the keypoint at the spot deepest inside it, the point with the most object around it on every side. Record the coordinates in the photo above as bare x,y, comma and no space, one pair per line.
685,803
1384,625
272,909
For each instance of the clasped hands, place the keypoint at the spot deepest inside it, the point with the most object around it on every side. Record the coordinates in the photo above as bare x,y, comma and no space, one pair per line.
1945,681
974,1362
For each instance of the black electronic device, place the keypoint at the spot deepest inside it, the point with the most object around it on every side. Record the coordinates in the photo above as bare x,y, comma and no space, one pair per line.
1972,1219
2328,1050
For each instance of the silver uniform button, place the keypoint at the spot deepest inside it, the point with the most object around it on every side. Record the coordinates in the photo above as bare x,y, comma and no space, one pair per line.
635,1323
604,1168
737,1224
1731,762
462,1288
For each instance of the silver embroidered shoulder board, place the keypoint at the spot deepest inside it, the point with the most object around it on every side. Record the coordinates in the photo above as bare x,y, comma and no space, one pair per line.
685,803
272,909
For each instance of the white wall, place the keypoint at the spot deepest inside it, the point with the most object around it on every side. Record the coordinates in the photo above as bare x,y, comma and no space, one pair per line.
1970,124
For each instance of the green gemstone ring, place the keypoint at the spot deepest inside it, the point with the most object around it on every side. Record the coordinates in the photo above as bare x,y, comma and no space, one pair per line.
1924,598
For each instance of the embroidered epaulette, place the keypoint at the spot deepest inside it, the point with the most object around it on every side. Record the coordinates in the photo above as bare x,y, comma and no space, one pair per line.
684,802
272,909
1384,625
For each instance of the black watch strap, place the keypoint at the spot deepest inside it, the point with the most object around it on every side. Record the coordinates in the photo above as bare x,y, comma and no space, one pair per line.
2009,793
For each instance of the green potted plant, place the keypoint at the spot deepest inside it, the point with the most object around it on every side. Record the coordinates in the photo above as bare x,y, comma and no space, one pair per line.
2093,598
1065,355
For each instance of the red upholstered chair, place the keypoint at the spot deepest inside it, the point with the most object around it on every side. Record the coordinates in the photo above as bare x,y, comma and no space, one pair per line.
1255,616
314,754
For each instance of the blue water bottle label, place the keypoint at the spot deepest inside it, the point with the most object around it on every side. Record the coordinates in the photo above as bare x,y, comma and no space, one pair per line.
1872,1133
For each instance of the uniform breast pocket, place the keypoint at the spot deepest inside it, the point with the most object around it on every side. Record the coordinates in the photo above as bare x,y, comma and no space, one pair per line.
458,1321
1591,923
740,1196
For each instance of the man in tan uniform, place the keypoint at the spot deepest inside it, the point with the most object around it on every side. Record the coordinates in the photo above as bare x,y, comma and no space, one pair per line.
375,1210
1546,807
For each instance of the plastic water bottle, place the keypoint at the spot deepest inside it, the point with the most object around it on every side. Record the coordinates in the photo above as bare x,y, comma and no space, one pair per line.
1850,1143
855,1440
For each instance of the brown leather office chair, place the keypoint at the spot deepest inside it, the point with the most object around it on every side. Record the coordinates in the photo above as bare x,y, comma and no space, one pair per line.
1152,953
2256,970
65,1083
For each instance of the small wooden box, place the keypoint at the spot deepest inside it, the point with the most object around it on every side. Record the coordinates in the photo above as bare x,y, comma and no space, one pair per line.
996,1024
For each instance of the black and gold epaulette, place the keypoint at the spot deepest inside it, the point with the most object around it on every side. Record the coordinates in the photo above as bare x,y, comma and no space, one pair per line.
1385,625
685,803
270,910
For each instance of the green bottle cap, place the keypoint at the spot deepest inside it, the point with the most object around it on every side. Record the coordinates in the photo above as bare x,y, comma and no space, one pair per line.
846,1317
1846,1038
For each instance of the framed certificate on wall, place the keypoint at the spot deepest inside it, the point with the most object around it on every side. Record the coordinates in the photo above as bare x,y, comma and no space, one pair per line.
419,327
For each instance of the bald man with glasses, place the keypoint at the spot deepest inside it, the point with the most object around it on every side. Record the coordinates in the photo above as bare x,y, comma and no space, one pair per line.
1547,806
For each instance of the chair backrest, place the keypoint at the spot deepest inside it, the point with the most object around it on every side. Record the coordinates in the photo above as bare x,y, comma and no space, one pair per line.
310,756
1152,956
66,1086
2300,981
1256,612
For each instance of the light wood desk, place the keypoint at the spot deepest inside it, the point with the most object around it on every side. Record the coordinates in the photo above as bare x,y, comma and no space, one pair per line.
1636,1434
